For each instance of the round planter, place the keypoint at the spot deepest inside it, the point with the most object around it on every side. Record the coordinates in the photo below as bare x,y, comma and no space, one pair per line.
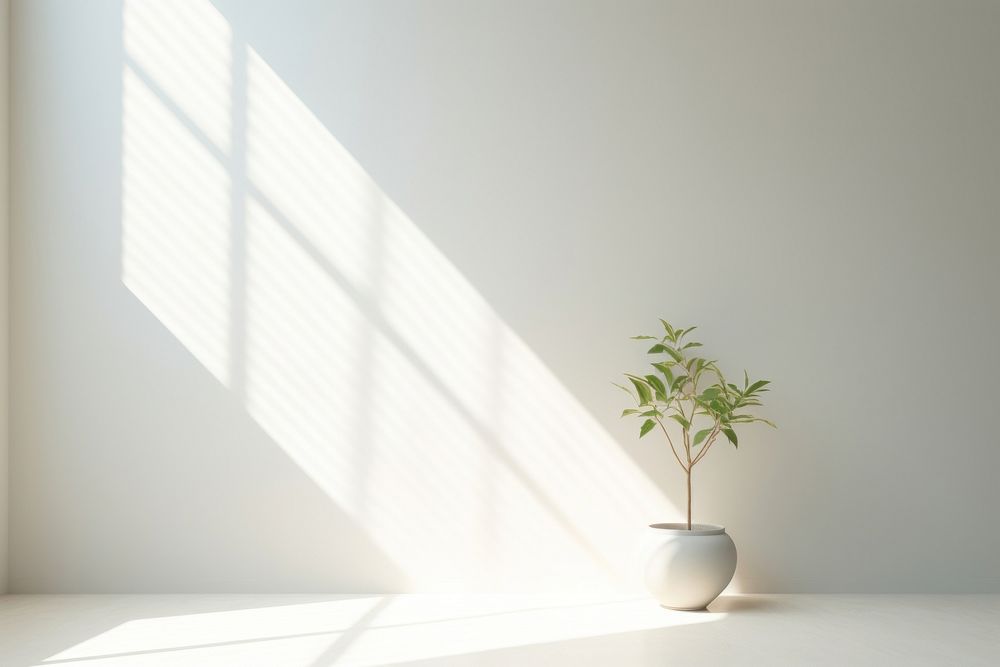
687,569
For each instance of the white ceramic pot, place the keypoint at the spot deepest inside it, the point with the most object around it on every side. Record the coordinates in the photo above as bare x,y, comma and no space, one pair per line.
687,569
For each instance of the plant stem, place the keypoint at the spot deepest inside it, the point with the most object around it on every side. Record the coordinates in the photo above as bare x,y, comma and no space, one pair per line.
687,447
689,497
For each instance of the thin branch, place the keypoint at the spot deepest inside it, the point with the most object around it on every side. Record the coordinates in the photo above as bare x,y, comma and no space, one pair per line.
708,443
671,443
687,445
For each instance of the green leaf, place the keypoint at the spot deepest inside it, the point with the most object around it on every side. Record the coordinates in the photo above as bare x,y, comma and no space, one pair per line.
669,329
719,407
701,435
685,424
678,382
645,396
646,427
678,357
659,347
630,411
643,337
746,379
652,413
664,368
657,384
731,434
710,393
691,344
758,385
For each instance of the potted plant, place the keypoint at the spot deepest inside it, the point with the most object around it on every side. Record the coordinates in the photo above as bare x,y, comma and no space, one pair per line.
690,563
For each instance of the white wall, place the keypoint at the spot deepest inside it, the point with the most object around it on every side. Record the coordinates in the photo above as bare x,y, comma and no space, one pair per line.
4,284
328,296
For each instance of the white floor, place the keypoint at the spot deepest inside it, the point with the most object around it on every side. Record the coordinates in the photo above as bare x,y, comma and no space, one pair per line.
311,630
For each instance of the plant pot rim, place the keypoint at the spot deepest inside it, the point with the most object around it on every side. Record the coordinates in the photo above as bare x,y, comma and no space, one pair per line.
697,529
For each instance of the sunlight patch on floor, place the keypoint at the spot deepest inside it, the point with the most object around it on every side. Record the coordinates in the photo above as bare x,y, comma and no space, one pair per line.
367,630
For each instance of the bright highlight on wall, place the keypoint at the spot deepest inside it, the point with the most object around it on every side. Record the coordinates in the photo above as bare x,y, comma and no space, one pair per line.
273,257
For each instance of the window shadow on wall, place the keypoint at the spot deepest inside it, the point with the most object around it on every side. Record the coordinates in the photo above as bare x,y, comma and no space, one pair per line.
265,248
